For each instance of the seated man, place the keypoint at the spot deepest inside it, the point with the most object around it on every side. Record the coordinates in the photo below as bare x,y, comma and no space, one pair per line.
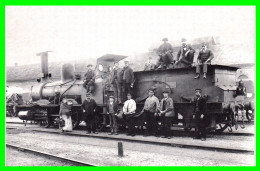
241,89
149,65
167,113
204,58
151,107
185,55
165,53
129,112
89,81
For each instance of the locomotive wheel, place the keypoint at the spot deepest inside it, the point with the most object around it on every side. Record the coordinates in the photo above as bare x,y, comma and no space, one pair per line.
222,127
75,120
45,123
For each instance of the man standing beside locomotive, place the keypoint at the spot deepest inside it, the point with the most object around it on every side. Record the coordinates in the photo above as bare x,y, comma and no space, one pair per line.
129,112
89,80
167,113
204,58
128,79
89,108
112,110
165,53
185,55
200,114
117,81
151,107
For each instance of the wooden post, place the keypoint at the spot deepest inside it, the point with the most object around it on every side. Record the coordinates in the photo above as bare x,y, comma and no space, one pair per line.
120,149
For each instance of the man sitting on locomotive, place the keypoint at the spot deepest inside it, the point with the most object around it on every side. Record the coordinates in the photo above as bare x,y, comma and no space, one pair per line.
165,53
200,114
167,114
89,80
112,110
149,65
89,108
204,58
65,114
151,107
241,89
185,55
129,113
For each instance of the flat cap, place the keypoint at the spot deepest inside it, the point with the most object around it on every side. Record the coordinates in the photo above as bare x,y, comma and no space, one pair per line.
183,40
165,39
89,65
166,91
198,89
111,97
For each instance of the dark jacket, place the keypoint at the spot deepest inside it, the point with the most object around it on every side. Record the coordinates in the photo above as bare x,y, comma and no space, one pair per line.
200,104
90,75
128,76
186,59
115,107
117,75
165,47
89,107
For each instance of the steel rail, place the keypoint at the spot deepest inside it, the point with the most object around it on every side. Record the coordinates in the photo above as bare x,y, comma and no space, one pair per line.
48,155
179,131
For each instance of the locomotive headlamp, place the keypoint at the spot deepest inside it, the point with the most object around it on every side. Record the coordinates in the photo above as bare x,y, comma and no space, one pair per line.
100,67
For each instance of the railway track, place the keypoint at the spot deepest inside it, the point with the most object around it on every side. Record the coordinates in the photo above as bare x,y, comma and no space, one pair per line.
48,155
171,144
178,132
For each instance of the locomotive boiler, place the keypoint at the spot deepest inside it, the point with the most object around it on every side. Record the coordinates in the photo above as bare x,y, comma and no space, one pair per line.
43,108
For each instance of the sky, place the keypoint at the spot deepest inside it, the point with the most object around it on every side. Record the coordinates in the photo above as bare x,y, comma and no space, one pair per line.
82,32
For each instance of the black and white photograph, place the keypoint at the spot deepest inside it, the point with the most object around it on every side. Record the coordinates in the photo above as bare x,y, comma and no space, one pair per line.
130,85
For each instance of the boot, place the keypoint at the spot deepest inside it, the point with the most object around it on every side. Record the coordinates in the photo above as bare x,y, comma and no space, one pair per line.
204,75
197,76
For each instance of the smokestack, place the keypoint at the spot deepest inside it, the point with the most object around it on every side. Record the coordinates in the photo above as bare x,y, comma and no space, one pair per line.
44,63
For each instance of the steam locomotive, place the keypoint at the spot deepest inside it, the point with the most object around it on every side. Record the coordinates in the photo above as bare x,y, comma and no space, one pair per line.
220,86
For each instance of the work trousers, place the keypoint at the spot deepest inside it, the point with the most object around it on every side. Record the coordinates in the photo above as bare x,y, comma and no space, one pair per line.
204,66
166,125
130,123
118,90
201,124
127,89
151,122
113,122
91,123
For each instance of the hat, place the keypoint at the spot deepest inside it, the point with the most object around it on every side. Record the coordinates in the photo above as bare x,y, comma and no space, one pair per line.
129,94
111,97
89,65
166,91
165,39
198,89
150,57
151,89
203,44
183,40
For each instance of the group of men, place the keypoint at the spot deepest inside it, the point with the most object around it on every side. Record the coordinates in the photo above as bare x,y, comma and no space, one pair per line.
184,58
122,80
153,111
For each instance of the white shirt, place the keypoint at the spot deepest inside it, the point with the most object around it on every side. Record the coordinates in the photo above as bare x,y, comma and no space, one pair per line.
129,106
